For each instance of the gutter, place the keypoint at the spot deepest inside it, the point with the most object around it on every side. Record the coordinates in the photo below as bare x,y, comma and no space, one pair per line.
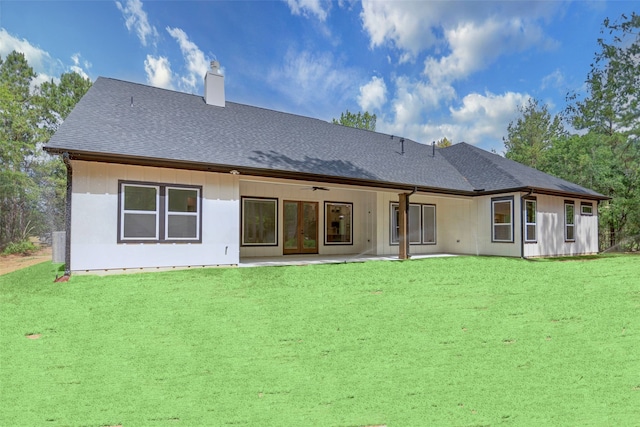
522,224
67,217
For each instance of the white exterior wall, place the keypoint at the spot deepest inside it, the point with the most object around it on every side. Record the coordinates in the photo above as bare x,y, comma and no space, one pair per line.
550,229
485,245
363,221
94,216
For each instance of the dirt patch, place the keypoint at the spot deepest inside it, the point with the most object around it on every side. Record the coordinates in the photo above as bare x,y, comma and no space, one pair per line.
10,263
33,336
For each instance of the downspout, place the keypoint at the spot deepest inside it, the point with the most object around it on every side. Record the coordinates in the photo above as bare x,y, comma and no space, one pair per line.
67,217
522,224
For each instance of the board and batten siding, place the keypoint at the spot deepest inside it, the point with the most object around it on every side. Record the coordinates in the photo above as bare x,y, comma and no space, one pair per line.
550,229
94,216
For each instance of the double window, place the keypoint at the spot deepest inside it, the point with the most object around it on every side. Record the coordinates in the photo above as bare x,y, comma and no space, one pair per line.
422,224
502,219
338,220
166,213
259,221
569,221
530,220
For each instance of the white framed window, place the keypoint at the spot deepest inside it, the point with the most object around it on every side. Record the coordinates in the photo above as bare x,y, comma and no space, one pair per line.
502,220
569,221
338,219
182,213
530,222
259,221
586,208
164,213
422,224
140,212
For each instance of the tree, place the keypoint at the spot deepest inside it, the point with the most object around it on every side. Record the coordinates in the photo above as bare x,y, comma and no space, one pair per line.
610,113
444,142
531,136
32,183
360,120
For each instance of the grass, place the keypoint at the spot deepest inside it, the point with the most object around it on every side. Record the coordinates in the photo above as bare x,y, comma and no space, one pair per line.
460,341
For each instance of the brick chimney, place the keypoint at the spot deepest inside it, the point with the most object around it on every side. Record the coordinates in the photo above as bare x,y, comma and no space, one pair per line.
214,86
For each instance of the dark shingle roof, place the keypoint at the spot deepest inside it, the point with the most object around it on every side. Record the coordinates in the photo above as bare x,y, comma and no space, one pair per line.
118,119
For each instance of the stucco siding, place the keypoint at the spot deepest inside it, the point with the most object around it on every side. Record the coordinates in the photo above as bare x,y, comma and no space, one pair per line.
94,234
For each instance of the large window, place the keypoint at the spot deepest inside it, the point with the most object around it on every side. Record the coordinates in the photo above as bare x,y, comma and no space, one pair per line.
530,221
338,223
422,224
151,212
569,221
502,220
259,221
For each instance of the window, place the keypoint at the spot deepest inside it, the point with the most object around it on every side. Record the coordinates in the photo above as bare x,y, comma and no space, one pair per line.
569,221
586,208
502,226
529,220
159,213
259,221
338,220
422,224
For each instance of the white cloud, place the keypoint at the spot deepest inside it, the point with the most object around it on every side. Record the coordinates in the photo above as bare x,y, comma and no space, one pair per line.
159,72
554,80
373,95
136,19
38,59
476,33
483,118
305,8
195,60
480,119
474,46
79,66
311,78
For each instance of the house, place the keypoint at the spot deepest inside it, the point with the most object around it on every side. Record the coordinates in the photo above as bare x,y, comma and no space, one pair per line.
159,178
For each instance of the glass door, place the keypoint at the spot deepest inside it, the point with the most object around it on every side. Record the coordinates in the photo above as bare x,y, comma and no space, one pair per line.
300,227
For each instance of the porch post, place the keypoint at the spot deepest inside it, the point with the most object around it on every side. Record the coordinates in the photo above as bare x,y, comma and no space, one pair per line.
403,232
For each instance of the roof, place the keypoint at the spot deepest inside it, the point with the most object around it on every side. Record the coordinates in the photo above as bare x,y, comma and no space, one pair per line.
132,123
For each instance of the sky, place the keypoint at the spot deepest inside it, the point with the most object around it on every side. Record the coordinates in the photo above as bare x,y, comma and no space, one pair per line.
427,69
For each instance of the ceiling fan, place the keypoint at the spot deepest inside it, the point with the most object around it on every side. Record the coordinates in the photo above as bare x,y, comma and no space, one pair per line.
315,188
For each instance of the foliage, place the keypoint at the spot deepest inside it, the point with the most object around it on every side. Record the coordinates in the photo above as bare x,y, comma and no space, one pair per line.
444,142
32,183
446,341
529,138
360,120
24,247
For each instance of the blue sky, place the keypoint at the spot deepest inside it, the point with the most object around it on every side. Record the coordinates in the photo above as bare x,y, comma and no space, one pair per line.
427,69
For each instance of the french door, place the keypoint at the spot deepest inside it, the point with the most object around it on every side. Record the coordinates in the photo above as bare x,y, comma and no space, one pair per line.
300,227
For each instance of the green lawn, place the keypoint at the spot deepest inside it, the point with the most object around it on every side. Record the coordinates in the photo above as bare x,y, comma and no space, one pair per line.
462,341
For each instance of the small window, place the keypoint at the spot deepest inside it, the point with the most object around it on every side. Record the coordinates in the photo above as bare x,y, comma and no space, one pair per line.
259,222
422,224
569,222
338,220
530,221
158,213
502,225
586,208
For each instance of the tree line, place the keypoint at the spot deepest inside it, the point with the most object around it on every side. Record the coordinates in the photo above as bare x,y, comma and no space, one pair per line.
32,183
595,141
